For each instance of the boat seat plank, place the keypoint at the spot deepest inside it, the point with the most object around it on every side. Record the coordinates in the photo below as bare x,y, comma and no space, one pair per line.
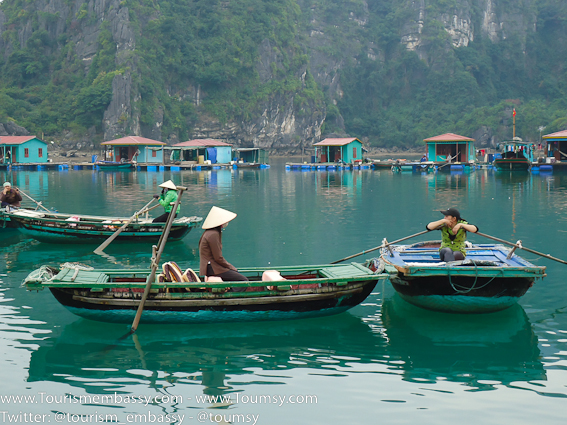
343,271
83,276
415,258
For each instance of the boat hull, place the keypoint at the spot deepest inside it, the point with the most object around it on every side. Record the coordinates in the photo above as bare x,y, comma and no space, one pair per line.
114,166
490,279
54,235
513,164
218,310
68,228
463,294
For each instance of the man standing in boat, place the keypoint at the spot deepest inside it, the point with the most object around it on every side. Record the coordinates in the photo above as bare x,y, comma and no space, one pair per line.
167,200
10,197
453,234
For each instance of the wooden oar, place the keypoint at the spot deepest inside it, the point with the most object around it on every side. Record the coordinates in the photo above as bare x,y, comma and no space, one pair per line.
115,234
155,260
33,200
522,247
381,246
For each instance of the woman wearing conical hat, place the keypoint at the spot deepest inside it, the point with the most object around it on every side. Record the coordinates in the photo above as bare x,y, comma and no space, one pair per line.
167,200
212,263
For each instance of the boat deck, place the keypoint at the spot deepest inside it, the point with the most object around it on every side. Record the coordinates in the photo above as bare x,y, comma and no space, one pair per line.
481,259
71,277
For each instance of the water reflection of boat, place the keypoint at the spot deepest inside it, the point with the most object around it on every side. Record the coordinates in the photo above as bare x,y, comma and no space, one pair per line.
499,347
211,350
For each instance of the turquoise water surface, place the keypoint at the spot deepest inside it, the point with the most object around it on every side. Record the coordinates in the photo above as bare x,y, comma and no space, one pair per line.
382,362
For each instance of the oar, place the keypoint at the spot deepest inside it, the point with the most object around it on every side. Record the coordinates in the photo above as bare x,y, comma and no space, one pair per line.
522,247
33,200
155,260
378,247
115,234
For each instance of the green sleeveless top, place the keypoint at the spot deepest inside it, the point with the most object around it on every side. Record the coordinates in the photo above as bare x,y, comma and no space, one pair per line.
455,242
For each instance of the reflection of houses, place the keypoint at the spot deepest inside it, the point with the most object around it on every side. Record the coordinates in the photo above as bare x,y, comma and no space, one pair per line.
347,149
134,148
200,150
252,155
22,150
450,147
557,145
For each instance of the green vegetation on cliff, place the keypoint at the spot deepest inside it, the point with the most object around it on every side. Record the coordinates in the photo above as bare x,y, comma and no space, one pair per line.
233,55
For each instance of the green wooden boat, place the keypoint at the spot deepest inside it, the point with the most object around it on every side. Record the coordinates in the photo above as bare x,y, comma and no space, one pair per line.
486,281
53,227
114,165
114,295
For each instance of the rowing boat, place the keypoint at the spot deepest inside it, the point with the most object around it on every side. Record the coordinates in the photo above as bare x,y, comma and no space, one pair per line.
299,292
53,227
114,165
491,278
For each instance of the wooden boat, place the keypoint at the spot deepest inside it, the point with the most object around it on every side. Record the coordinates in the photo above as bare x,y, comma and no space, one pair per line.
114,295
486,281
516,155
114,165
55,227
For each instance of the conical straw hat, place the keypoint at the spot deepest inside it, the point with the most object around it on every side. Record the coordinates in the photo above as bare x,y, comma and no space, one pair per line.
216,217
169,185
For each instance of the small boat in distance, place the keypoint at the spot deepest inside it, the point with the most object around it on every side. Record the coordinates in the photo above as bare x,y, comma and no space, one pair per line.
54,227
114,165
486,281
516,155
297,292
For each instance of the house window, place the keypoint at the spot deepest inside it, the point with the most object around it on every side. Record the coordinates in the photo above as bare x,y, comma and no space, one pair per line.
354,153
26,153
40,152
154,154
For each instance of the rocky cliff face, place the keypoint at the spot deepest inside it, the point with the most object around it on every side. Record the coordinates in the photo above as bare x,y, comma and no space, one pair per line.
282,121
494,21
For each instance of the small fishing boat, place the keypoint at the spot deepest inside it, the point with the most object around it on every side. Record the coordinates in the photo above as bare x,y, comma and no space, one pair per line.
55,227
491,278
291,292
516,155
114,165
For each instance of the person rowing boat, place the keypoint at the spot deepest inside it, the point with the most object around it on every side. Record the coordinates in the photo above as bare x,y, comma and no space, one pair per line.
167,200
10,197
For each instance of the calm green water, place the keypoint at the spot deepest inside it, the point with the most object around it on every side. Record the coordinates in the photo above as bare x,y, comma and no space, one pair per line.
382,362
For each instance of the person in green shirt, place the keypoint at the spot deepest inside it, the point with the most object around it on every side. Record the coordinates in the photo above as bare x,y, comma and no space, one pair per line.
453,234
167,200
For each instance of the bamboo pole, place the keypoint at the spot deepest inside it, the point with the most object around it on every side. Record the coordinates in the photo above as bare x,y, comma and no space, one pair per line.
378,247
156,259
39,204
115,234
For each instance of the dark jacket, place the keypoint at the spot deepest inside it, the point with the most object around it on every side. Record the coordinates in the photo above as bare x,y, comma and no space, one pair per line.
210,250
13,197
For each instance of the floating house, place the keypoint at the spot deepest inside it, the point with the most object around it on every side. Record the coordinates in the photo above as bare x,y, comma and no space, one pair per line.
201,150
557,145
450,147
252,155
22,150
346,149
134,148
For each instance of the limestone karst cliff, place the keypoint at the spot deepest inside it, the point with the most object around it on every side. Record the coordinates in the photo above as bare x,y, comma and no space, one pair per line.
278,74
